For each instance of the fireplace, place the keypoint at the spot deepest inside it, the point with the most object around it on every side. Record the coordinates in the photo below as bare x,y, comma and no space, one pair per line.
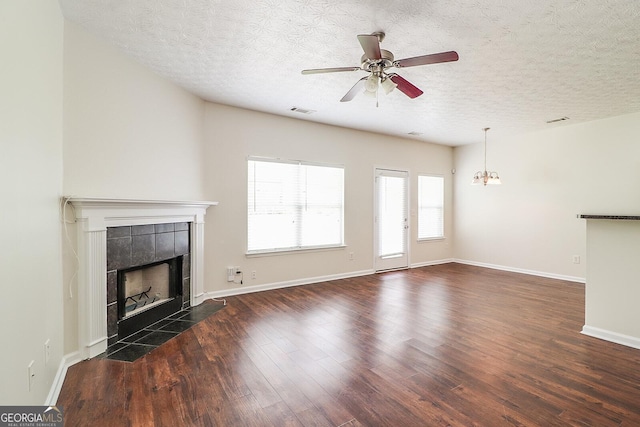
97,221
147,275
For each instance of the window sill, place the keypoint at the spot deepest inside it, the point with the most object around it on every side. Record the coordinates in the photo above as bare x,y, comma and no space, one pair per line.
290,251
431,239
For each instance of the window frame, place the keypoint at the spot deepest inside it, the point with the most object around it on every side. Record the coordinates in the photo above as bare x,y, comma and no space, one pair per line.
442,207
295,249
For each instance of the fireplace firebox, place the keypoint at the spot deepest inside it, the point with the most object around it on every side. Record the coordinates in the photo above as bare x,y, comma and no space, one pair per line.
147,294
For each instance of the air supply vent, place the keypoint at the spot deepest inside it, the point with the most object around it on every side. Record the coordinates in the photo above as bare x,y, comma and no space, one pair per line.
561,119
302,110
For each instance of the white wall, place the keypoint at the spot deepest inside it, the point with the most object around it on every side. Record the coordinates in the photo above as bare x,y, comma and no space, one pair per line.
612,291
128,133
31,42
529,222
234,134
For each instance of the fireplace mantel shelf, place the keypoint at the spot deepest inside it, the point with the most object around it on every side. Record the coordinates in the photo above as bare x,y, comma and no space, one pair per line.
611,217
102,202
96,207
93,216
101,212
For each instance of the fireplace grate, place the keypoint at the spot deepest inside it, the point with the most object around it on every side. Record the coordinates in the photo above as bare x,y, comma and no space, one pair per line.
134,302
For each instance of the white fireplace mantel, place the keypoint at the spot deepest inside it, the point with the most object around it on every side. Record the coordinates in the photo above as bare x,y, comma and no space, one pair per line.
93,216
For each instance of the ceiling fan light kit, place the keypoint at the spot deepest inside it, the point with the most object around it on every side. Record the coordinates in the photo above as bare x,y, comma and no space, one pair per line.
388,85
376,61
486,177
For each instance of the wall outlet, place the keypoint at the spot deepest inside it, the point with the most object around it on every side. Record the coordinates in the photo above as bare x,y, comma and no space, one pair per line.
47,352
576,259
32,374
350,256
231,272
253,274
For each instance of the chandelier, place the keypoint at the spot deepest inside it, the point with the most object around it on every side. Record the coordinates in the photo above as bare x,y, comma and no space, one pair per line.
484,177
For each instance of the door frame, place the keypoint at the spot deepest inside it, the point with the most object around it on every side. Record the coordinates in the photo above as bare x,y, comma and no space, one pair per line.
403,261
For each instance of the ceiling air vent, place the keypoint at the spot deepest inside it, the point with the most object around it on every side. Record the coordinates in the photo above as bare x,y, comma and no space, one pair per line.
302,110
561,119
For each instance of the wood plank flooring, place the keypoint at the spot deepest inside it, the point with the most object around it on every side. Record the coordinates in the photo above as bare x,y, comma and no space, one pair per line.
448,345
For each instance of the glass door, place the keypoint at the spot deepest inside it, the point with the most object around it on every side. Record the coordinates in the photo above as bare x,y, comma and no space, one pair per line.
391,219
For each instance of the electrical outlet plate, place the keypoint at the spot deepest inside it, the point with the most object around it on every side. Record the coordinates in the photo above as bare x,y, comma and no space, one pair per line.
47,352
32,374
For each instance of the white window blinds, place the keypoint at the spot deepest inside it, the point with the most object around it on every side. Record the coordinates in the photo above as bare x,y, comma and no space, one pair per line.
430,207
294,205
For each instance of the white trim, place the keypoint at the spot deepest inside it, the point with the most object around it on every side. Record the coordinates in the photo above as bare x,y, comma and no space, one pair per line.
379,265
434,262
610,336
301,186
102,213
196,258
430,239
310,280
287,284
444,220
288,251
93,216
67,361
522,270
294,162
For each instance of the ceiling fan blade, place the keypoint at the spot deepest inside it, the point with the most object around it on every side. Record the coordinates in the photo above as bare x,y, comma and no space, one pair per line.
434,58
356,89
371,45
329,70
405,87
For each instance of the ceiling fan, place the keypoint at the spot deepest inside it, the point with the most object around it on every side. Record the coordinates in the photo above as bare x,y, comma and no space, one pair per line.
376,61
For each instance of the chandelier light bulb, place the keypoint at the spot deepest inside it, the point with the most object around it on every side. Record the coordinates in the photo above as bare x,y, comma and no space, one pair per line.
485,177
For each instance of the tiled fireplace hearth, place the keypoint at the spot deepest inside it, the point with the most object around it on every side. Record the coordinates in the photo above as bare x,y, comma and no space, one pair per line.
139,232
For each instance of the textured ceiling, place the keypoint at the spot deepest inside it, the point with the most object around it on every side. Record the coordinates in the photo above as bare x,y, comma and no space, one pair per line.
521,63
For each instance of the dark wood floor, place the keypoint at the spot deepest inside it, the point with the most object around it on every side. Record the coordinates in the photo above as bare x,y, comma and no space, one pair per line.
443,345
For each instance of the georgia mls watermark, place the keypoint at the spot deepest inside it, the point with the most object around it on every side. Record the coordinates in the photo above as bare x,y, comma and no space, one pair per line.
30,416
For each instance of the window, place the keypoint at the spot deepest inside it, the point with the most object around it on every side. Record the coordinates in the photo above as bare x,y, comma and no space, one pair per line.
430,207
294,205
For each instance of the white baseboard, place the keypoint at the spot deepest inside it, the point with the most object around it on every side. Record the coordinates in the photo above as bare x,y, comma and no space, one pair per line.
615,337
307,281
523,271
67,361
287,284
429,263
